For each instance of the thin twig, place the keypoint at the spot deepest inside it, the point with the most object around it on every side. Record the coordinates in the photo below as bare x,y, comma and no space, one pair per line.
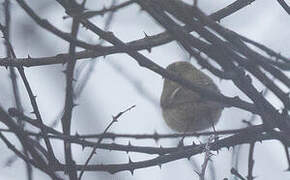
207,157
48,26
284,6
90,14
114,120
69,101
52,159
251,161
13,77
237,174
144,43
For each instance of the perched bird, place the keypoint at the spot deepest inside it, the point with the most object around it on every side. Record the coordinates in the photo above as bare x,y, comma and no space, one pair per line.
184,110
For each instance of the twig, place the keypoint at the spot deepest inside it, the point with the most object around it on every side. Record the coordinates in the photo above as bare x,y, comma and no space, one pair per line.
84,79
172,156
46,25
52,158
284,6
145,62
237,174
145,43
207,157
13,77
114,120
89,14
69,101
28,144
251,161
287,155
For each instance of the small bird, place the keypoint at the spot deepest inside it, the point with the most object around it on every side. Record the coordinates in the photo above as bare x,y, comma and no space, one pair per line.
184,110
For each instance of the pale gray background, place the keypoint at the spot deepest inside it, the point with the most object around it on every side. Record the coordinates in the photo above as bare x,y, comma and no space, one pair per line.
109,92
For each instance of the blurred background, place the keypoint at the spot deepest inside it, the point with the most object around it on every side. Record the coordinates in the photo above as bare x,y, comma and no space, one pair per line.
117,82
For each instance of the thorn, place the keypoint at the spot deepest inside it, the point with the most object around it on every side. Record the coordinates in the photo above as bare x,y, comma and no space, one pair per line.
129,145
77,134
131,171
247,122
160,165
131,166
180,144
236,98
155,136
146,36
199,142
253,177
109,34
114,119
149,49
86,28
104,9
83,147
130,160
217,151
65,17
111,171
161,149
75,104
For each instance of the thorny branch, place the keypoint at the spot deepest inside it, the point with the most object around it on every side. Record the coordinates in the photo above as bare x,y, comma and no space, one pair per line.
114,120
225,53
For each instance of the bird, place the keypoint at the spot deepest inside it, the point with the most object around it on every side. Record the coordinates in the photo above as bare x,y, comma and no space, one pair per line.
185,110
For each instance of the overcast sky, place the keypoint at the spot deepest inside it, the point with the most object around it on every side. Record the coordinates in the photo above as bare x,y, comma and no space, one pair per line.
118,82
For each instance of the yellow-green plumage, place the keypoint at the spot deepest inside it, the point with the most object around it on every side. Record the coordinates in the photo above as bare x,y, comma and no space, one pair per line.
184,110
